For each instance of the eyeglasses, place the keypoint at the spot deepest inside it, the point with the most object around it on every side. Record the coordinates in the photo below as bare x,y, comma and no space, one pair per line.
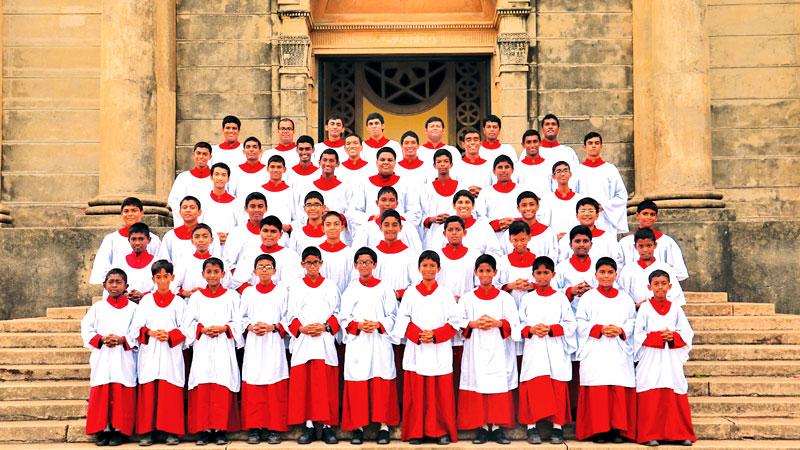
264,267
312,263
560,171
313,205
285,129
364,263
587,211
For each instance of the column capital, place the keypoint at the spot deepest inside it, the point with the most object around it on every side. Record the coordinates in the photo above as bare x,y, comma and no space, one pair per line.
293,50
513,50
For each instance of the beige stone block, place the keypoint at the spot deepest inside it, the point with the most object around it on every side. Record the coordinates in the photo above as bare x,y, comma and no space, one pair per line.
756,171
587,102
51,93
749,51
51,125
584,6
51,6
755,142
577,25
224,80
222,6
293,81
51,61
763,202
56,157
183,158
30,431
754,82
223,26
188,132
612,128
51,29
585,51
42,187
226,53
776,18
585,77
293,104
210,106
749,113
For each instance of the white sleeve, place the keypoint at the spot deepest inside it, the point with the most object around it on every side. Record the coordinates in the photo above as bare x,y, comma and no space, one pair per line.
102,261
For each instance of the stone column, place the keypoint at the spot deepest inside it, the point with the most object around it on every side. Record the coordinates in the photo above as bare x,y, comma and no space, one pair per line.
5,213
513,42
131,85
294,44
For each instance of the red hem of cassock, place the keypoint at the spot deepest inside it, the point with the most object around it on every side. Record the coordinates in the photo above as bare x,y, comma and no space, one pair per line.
429,408
543,398
476,410
601,408
663,415
159,406
314,393
265,406
212,406
373,400
112,404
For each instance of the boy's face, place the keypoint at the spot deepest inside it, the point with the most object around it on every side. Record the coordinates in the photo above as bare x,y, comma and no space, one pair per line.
528,208
520,241
219,177
503,172
276,171
543,276
385,163
434,131
162,279
189,211
646,248
332,227
647,218
428,269
255,210
230,132
386,201
312,265
334,127
593,147
464,207
454,233
660,286
587,215
581,245
485,274
491,130
313,208
410,146
605,276
352,145
115,285
375,128
472,144
252,151
365,265
200,157
328,164
270,235
201,239
443,165
213,275
139,242
285,132
550,129
304,151
264,270
531,145
391,227
131,214
562,174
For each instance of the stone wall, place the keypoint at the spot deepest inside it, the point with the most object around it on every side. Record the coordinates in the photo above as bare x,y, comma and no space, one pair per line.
50,97
755,101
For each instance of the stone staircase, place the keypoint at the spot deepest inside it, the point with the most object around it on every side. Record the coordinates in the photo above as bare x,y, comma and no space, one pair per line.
744,377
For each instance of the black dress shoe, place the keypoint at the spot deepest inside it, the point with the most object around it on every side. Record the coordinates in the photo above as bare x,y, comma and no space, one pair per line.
533,436
308,436
687,443
616,437
146,440
557,436
383,437
221,438
203,437
481,436
443,440
328,436
600,438
102,439
172,440
116,439
652,443
357,438
415,441
499,436
253,437
273,437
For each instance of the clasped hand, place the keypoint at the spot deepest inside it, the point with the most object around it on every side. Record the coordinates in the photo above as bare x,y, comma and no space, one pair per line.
485,322
160,335
368,326
260,328
313,329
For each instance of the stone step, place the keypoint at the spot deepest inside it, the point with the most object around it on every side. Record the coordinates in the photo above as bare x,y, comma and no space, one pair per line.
739,386
37,431
698,369
44,390
729,309
766,428
755,323
747,337
40,325
745,406
42,409
21,340
67,312
714,352
706,297
27,372
43,356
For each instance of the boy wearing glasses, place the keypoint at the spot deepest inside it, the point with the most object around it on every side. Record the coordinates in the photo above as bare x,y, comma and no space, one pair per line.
604,243
557,206
310,232
288,262
286,146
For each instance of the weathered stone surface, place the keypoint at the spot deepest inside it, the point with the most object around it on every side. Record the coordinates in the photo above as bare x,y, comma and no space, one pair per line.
42,409
51,92
588,102
742,368
216,53
745,406
749,82
765,204
778,18
748,337
224,80
585,77
212,26
51,6
211,106
56,340
52,29
750,142
590,25
188,132
613,128
44,355
33,187
726,51
756,171
756,323
745,352
706,297
55,157
755,113
584,6
44,390
729,309
585,51
222,6
44,372
51,61
70,125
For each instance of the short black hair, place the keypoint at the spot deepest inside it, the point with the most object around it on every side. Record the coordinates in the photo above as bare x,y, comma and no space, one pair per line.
486,259
314,195
582,230
305,139
254,196
265,257
605,261
430,255
587,201
455,219
531,133
190,198
434,119
644,233
375,115
443,152
389,150
551,116
517,227
657,273
356,135
286,119
277,159
501,159
469,130
336,214
561,163
463,193
409,133
231,119
252,139
329,151
491,118
117,271
272,221
310,251
334,116
390,213
387,190
139,228
527,194
543,261
162,264
647,204
591,135
214,262
222,166
202,144
132,201
203,226
365,251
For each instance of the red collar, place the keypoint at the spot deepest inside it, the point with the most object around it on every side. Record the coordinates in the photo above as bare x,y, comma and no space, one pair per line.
545,291
424,290
118,302
305,171
332,248
469,222
491,145
265,289
226,146
656,232
377,144
207,292
661,307
379,181
580,266
524,260
504,188
274,249
253,228
548,144
285,147
123,232
476,162
272,187
252,168
610,292
536,229
483,294
203,256
568,196
395,247
643,264
359,163
371,282
312,231
205,172
597,232
224,198
313,284
327,185
163,300
138,262
445,188
183,233
431,146
410,165
527,160
454,252
333,144
596,163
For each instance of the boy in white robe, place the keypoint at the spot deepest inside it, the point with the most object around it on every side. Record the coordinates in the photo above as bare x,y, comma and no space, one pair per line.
548,332
314,373
287,260
337,255
434,132
338,194
157,323
354,168
116,245
369,233
514,269
136,264
604,243
543,241
222,211
397,259
552,150
265,372
429,318
286,147
407,191
376,140
251,174
280,195
607,398
437,195
229,151
491,147
367,314
334,138
212,326
105,330
662,340
308,232
635,278
304,172
497,203
246,234
533,171
480,235
557,207
411,166
177,242
489,363
195,182
667,249
474,170
189,277
601,180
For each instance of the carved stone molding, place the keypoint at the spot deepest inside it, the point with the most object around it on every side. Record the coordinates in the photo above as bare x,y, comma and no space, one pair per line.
513,48
519,12
294,50
293,14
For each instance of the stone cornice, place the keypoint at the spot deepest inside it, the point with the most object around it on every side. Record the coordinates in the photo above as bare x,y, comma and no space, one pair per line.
392,26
